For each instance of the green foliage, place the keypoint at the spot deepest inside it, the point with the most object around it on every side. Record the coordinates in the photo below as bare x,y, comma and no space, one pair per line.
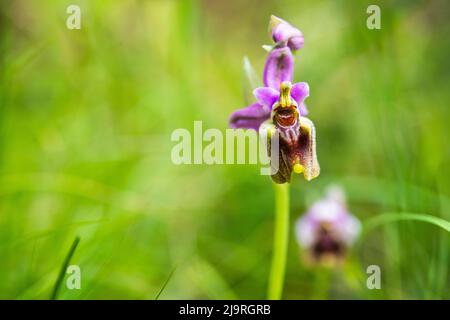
85,123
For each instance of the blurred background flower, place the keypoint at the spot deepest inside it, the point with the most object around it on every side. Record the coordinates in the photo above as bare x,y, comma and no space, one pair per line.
86,117
327,230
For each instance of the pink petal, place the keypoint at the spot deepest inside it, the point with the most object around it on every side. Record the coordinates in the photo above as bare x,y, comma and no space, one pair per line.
266,96
279,67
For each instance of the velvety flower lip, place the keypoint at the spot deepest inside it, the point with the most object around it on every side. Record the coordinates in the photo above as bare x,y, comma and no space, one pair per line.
297,150
297,138
283,32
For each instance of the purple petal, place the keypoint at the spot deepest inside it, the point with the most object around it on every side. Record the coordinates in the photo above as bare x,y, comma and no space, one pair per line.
296,43
266,96
284,32
279,67
303,110
250,117
300,91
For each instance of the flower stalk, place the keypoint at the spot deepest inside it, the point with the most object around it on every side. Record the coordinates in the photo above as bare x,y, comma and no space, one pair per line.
280,243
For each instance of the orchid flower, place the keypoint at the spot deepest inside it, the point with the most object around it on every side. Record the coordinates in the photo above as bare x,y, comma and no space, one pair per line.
280,107
327,230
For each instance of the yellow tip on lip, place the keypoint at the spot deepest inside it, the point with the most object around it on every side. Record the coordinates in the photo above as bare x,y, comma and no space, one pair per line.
298,168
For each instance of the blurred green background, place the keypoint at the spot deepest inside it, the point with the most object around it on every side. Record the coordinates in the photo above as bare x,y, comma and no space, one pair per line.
86,117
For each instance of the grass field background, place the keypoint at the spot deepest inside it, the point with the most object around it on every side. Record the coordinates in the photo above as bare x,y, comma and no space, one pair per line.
85,123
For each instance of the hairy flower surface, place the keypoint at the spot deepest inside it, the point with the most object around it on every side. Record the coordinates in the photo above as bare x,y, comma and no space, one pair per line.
296,134
327,229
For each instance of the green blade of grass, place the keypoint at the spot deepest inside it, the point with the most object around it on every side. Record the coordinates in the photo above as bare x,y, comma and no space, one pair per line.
389,217
165,283
64,268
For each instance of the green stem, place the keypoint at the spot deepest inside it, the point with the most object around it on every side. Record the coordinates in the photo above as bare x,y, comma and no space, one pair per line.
322,280
280,243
